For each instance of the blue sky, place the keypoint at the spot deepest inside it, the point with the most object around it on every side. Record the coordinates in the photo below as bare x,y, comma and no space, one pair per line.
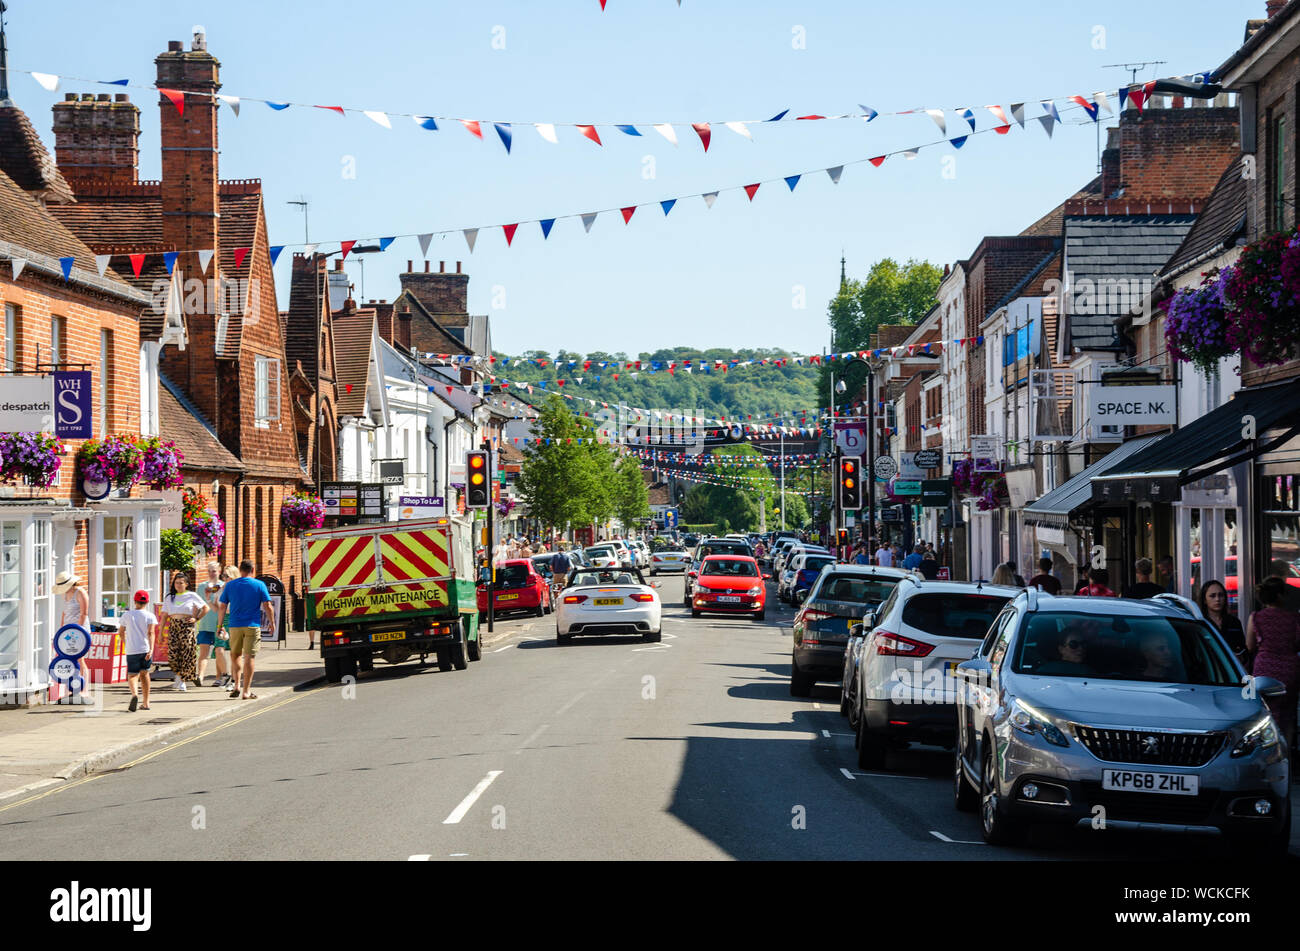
727,276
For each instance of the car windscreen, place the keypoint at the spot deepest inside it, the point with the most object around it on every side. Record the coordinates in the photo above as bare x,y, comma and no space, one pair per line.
953,613
723,548
729,566
604,576
854,589
512,576
1121,647
601,552
542,564
817,564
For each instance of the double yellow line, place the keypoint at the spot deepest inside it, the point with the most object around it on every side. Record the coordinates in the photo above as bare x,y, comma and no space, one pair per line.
148,756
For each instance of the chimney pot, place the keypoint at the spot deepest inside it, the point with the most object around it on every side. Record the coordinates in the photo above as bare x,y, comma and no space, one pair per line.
409,265
175,46
200,43
457,267
87,97
338,265
103,97
69,97
426,267
442,267
122,97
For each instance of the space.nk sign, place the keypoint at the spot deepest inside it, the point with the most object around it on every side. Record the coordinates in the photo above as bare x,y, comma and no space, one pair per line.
1131,405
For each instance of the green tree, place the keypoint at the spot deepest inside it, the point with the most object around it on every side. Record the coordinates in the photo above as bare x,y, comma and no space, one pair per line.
891,294
561,479
631,497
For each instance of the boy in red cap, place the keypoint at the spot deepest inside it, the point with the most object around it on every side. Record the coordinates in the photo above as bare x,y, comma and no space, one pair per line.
139,627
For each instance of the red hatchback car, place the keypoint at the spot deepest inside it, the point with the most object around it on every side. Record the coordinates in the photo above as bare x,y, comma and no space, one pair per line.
518,588
730,584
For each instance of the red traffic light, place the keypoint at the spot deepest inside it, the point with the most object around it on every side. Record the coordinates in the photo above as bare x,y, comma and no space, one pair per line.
476,460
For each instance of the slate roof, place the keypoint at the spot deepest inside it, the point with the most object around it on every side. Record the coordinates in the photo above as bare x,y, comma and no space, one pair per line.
1102,250
180,421
1221,222
300,320
24,159
352,342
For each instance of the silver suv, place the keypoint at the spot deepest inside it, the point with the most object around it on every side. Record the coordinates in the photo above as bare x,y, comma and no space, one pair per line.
1119,714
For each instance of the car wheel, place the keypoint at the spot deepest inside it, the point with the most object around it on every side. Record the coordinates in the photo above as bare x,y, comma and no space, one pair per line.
333,670
996,827
871,747
845,697
694,613
444,660
801,684
760,615
965,798
475,647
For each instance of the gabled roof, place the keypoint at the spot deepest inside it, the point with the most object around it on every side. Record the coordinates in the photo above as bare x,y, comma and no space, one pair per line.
24,159
307,306
419,311
353,345
1111,260
180,421
1221,222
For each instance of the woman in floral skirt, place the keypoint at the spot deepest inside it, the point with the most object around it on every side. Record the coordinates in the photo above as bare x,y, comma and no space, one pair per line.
181,609
1273,636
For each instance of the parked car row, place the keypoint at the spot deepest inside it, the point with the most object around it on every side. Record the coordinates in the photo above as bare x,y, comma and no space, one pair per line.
1057,709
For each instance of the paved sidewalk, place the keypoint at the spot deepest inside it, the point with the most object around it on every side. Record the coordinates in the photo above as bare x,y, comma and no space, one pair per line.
45,745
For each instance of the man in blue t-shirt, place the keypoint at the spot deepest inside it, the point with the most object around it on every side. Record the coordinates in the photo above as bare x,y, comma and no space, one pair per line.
914,559
246,603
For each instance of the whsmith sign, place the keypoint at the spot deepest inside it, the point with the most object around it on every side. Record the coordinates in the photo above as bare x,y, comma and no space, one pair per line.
1131,405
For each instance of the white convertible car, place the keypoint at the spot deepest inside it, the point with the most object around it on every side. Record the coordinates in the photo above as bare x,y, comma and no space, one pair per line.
600,601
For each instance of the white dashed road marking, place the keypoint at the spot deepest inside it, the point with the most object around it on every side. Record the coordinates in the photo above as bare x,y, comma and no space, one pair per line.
468,802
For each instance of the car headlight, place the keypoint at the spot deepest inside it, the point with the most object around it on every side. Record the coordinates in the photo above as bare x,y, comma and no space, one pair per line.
1259,736
1028,720
755,591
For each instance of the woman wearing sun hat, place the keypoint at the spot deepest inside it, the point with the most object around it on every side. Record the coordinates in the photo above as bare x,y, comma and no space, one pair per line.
76,609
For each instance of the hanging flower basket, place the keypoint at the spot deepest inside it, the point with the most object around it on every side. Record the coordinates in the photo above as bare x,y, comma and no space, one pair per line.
1262,295
116,460
161,463
1198,325
204,527
988,488
301,512
33,458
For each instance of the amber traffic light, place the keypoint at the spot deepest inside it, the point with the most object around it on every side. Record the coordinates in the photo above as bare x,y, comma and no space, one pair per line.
851,483
476,483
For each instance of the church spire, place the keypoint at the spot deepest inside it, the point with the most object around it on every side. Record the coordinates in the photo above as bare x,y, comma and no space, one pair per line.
844,280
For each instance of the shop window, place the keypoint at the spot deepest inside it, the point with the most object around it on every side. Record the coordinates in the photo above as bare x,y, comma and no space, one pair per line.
11,587
150,567
44,606
117,554
1280,542
12,320
105,376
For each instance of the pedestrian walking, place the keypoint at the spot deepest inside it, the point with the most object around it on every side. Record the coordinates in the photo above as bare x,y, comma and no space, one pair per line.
1044,579
1273,636
76,610
884,557
140,629
1005,573
1214,605
929,566
914,559
1145,587
1098,584
247,604
178,616
207,631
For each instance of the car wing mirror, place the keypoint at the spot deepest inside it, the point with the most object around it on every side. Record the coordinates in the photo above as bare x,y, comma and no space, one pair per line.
869,620
855,630
1269,687
975,669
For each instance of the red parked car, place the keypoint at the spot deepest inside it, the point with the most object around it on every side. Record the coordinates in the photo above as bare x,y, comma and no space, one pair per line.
518,588
729,584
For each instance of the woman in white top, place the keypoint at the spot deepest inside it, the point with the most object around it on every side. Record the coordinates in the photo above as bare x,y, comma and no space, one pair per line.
76,610
181,609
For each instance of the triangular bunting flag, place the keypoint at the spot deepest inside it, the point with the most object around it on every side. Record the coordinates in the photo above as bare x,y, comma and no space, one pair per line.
627,213
937,116
710,198
424,243
835,172
702,130
426,122
383,246
1123,96
232,102
547,224
205,258
66,265
1049,106
1018,113
277,106
510,233
137,262
177,97
275,253
1104,101
503,130
240,254
546,131
999,115
778,117
959,141
750,190
667,205
338,109
471,235
472,126
49,82
346,246
969,116
740,129
589,131
792,180
910,153
588,221
1047,124
101,263
169,259
379,118
877,161
1088,107
627,129
867,112
667,131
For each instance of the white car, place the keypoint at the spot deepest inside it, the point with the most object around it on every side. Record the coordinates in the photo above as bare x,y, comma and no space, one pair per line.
641,551
624,552
602,556
608,601
670,559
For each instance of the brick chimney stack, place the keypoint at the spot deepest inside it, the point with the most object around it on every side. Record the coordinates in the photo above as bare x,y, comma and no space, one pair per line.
191,206
441,291
97,140
1274,6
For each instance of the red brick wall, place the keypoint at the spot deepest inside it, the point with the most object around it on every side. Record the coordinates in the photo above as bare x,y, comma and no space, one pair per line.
441,292
1171,153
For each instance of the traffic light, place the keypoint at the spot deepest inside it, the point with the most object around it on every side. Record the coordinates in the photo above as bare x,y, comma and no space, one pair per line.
477,492
851,483
842,537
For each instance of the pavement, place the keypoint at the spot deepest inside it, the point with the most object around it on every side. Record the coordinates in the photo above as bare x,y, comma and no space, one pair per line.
46,745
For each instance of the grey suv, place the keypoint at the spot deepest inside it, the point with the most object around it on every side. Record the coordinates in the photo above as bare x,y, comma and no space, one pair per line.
1121,714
